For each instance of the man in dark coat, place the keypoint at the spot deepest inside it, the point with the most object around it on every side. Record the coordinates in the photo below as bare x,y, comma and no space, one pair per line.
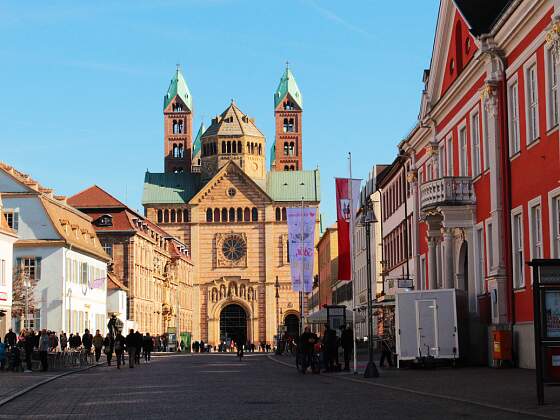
10,339
330,344
131,342
147,346
347,343
29,346
307,343
87,341
139,344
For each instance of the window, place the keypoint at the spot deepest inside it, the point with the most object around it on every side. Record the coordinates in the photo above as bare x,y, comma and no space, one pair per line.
489,246
12,218
555,226
463,170
255,215
83,274
518,263
514,141
423,272
536,232
449,156
31,267
159,216
278,214
108,248
532,103
479,238
552,89
2,272
475,138
209,215
485,145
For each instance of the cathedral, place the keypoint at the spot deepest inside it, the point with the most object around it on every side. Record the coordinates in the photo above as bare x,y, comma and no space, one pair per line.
218,196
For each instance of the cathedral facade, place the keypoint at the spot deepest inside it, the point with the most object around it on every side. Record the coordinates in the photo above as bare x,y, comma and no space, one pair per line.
218,196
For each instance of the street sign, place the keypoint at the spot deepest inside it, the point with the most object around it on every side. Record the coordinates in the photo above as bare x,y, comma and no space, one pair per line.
546,304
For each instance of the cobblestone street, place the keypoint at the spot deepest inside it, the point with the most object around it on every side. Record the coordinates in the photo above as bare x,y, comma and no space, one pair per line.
218,386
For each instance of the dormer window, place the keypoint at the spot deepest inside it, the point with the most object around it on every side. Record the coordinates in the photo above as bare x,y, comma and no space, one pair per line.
104,221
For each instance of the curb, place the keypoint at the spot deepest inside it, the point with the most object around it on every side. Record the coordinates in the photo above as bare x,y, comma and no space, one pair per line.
427,394
46,381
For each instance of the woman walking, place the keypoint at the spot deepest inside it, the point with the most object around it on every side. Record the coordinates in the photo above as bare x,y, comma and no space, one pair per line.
108,349
120,344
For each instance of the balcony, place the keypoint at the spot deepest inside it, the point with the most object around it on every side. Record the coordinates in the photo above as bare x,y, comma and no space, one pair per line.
447,191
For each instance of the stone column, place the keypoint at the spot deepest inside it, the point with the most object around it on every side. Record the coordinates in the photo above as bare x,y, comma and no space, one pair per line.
448,277
432,262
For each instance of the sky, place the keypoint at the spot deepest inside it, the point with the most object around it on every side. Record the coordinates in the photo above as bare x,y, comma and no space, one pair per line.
82,82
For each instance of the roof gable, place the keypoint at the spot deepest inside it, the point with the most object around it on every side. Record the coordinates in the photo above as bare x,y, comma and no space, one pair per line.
228,170
94,197
232,122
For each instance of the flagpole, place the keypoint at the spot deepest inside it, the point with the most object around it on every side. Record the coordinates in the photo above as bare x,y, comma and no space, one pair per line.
352,210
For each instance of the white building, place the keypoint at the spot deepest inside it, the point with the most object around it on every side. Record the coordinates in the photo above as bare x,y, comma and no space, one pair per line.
59,253
7,239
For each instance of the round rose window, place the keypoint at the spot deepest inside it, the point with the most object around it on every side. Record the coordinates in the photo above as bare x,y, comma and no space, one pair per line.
234,247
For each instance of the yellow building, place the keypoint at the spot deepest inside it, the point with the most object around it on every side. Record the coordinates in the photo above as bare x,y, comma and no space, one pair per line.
231,212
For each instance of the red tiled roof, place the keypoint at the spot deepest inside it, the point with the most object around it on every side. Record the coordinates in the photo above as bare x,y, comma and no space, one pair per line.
114,283
94,196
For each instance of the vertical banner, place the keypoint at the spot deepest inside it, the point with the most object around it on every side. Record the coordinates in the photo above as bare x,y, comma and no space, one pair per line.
301,242
347,200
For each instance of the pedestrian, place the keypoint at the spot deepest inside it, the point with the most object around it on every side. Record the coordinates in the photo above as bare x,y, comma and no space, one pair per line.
97,345
147,346
330,346
306,345
77,340
10,339
386,352
44,350
108,348
2,355
120,346
195,346
63,341
139,344
87,341
202,348
347,342
131,347
29,346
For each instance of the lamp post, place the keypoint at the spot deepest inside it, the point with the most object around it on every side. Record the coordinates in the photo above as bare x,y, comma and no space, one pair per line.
368,218
277,287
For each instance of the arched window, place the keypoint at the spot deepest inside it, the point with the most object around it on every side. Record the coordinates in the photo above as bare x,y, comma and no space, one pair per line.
229,147
178,170
292,146
179,216
292,168
174,126
284,215
286,148
286,168
278,214
224,215
247,215
234,147
179,127
216,215
224,147
248,150
260,149
186,216
166,216
239,214
209,215
232,214
181,151
286,125
239,147
173,219
255,215
291,125
159,216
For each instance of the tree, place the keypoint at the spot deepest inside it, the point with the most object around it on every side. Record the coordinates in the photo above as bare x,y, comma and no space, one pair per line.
23,300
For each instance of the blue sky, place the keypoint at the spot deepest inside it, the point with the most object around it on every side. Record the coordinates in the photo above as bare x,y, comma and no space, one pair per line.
82,82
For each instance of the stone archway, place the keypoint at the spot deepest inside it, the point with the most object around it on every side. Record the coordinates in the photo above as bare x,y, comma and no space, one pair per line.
291,322
462,282
233,323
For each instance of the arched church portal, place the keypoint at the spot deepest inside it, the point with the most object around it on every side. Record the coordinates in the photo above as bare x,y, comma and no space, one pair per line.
233,323
291,322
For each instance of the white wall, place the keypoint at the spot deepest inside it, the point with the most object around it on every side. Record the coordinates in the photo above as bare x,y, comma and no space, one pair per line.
6,258
34,223
116,303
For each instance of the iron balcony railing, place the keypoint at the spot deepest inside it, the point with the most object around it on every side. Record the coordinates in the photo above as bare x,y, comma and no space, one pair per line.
447,191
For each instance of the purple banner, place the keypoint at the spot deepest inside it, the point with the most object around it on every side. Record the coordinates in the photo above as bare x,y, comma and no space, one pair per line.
301,241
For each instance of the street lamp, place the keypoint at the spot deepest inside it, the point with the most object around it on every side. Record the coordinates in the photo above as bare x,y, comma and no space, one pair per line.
368,217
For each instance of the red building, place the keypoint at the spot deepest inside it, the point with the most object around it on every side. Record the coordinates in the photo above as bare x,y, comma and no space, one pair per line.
484,161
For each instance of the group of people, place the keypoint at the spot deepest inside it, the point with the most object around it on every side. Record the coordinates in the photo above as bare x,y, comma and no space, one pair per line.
231,346
17,348
325,348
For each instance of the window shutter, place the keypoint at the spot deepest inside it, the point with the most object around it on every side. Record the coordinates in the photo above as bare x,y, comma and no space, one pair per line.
18,266
38,268
16,220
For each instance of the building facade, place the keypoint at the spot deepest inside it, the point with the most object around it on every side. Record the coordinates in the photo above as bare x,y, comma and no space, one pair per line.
60,268
149,265
7,238
484,162
231,212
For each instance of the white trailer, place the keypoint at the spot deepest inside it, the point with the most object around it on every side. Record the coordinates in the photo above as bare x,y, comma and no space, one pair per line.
428,324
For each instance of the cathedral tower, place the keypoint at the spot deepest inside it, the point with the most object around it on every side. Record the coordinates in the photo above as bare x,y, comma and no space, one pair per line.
177,120
288,107
233,136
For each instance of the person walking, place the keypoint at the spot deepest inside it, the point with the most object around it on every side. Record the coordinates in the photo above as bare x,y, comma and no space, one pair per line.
44,350
139,343
29,346
2,355
63,341
108,348
97,345
386,352
131,347
147,346
240,344
77,340
10,339
120,346
347,342
330,345
87,341
306,345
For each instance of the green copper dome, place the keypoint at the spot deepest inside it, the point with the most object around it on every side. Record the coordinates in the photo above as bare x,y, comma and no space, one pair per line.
178,86
288,85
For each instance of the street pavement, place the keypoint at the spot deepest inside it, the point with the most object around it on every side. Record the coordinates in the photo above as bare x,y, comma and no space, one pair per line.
215,386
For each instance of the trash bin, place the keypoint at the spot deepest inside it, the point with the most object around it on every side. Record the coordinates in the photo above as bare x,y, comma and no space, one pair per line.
501,346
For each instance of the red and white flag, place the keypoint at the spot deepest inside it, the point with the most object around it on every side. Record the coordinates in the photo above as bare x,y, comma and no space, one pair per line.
347,201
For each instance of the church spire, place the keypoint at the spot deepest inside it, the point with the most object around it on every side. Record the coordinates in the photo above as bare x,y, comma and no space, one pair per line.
288,85
178,87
